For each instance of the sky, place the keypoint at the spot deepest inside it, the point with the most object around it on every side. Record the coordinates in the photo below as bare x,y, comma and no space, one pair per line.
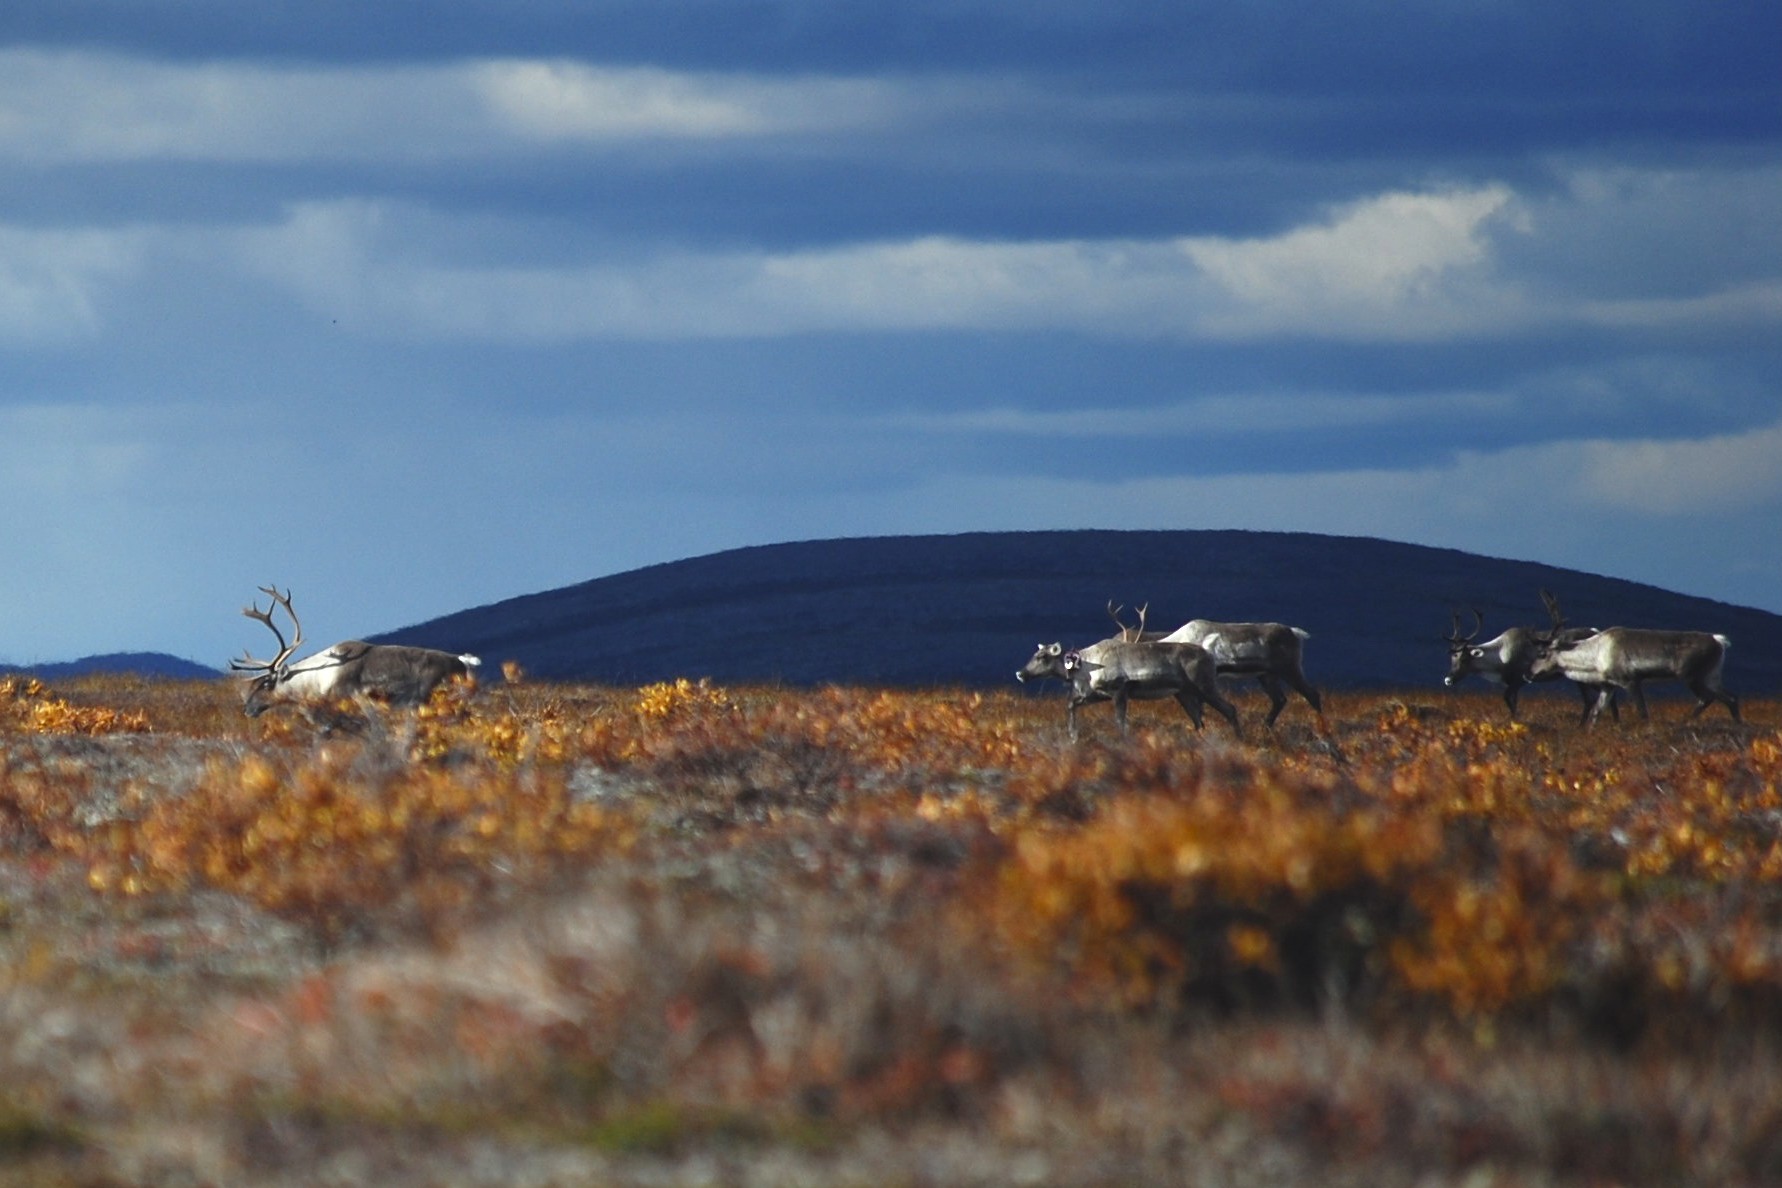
410,307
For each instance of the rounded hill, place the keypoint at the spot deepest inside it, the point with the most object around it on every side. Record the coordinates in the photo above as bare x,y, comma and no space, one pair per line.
968,609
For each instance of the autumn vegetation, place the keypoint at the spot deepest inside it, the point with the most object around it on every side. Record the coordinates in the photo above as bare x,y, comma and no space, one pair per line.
541,934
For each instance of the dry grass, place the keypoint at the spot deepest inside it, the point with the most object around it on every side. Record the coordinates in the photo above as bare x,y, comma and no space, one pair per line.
548,934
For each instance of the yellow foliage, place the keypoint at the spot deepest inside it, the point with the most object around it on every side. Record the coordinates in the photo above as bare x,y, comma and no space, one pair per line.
661,701
31,707
315,839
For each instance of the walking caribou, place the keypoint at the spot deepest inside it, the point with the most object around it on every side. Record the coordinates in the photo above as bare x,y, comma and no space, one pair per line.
1123,669
1270,652
1627,657
1509,659
392,673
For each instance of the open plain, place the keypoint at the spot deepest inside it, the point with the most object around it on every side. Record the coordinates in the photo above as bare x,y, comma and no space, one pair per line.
692,934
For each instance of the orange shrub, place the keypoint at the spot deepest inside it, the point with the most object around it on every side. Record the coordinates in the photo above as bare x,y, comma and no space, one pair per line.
29,705
319,840
1485,866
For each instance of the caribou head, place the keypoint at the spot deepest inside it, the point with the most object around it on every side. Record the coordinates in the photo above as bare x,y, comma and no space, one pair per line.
268,673
1461,652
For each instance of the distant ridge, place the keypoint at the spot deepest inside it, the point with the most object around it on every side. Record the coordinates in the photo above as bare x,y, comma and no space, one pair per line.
151,664
968,609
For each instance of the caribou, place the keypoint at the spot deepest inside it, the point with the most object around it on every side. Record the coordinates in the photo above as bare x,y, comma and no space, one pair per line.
1270,652
1509,658
394,674
1132,667
1628,657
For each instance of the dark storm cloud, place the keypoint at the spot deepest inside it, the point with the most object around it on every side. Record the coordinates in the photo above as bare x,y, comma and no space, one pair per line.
1278,43
1532,74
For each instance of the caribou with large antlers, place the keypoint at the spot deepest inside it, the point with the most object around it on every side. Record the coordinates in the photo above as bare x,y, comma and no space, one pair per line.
1628,657
395,674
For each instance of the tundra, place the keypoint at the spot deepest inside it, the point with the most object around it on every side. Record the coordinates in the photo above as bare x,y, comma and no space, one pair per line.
1628,657
1120,670
391,673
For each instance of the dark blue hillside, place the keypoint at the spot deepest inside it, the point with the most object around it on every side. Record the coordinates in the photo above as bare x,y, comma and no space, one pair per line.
968,609
146,664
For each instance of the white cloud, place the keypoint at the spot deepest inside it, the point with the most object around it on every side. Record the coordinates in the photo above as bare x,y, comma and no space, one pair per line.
1397,265
1684,477
573,101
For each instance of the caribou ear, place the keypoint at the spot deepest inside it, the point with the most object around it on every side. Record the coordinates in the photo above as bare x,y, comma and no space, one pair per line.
1056,649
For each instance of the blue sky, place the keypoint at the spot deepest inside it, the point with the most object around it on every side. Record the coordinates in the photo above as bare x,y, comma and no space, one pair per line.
411,307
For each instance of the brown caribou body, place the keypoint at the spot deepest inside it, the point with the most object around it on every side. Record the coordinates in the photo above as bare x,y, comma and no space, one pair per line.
395,674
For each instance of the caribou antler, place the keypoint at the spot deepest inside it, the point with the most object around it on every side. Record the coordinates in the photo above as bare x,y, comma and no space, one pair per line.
1551,602
247,663
1128,634
1454,635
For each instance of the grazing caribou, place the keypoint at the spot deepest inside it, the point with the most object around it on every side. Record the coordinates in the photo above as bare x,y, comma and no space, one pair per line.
1270,652
1627,657
1122,669
1509,659
392,673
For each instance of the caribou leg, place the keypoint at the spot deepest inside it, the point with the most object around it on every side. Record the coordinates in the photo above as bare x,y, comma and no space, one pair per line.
1277,700
1594,697
1226,710
1189,700
1304,688
1604,694
1707,695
